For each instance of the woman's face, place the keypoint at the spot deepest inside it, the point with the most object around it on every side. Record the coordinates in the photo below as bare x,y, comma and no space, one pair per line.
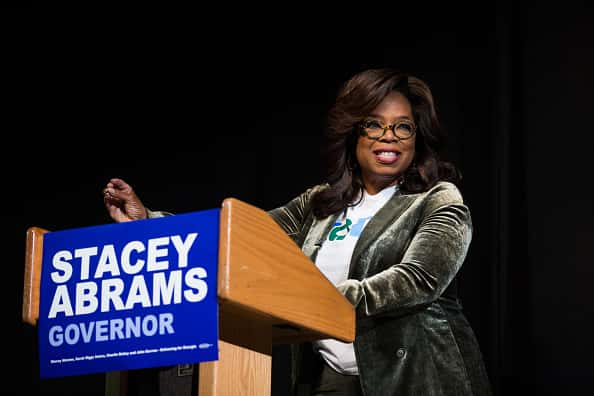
382,161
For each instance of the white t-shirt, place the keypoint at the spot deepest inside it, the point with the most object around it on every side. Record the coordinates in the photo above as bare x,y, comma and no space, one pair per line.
334,259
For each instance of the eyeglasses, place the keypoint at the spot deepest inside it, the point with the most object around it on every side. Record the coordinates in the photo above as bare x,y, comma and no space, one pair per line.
374,129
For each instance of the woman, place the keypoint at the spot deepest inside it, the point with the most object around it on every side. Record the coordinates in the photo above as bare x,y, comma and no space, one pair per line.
390,229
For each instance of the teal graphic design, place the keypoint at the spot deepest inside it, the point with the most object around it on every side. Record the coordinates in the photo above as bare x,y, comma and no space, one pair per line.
340,230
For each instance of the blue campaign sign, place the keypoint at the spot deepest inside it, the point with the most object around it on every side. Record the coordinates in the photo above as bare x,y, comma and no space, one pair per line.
129,295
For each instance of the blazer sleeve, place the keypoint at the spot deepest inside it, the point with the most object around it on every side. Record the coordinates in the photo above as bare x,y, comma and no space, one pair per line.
432,259
153,214
291,217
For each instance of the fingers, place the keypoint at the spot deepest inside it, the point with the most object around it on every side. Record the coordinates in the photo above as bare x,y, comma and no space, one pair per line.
114,198
116,214
110,198
117,189
114,208
121,201
118,183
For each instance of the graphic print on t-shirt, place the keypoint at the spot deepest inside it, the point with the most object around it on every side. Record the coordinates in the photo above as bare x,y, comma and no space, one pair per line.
341,229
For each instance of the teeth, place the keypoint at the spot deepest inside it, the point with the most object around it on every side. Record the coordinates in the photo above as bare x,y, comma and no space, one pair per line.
387,153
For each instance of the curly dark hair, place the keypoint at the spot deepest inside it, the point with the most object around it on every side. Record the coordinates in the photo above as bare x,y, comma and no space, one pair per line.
357,98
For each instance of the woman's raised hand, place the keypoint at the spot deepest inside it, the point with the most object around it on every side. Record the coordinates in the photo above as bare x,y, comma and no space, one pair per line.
122,203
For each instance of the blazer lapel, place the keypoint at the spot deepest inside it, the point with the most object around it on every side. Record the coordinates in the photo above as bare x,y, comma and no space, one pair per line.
317,234
378,223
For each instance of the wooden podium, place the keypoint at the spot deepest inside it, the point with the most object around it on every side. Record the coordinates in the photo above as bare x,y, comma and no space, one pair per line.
269,293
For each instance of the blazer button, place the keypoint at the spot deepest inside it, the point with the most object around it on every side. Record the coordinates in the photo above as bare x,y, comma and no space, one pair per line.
401,352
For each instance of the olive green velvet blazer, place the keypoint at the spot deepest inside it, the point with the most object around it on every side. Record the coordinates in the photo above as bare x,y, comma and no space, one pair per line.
411,335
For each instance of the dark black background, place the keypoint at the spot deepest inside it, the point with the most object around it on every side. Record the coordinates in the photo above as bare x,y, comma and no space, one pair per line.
190,115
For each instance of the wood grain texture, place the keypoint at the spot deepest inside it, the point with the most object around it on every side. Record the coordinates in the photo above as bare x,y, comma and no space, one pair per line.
264,273
238,371
32,278
242,369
